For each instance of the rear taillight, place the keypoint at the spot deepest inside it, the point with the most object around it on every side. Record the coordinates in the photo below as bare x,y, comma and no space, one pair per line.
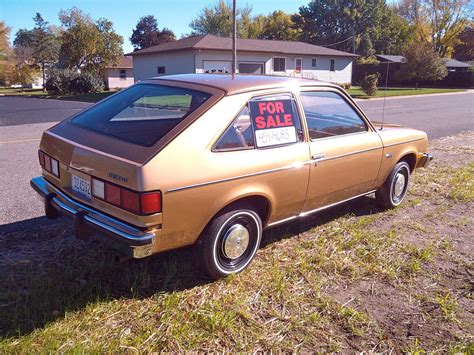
49,164
142,203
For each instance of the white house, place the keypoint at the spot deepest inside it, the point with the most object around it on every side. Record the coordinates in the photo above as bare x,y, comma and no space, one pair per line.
212,54
119,76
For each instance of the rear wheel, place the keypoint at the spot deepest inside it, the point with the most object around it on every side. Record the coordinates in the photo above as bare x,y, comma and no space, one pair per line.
394,189
229,242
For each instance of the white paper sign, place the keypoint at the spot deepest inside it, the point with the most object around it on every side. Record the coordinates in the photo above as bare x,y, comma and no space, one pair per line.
275,136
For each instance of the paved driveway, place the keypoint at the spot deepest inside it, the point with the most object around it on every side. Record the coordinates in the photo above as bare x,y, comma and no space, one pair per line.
20,208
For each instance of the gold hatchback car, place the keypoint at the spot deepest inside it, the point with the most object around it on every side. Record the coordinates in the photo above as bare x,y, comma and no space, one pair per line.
212,161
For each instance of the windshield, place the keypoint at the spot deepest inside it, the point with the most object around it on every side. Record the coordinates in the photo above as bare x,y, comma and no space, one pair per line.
142,114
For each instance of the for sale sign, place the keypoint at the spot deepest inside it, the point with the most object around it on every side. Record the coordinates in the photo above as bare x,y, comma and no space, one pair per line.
273,121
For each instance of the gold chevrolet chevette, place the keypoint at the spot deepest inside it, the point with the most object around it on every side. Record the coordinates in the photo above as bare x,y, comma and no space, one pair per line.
209,160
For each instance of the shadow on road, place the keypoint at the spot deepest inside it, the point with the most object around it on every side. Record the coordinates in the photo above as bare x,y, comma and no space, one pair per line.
46,272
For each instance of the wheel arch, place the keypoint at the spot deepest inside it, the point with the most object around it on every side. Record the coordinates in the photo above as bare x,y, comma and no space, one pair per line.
260,201
410,159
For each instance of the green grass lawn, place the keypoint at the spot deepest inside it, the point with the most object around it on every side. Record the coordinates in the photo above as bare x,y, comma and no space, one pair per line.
357,93
38,93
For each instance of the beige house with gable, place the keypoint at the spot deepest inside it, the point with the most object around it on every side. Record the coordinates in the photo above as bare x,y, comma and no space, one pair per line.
212,54
121,76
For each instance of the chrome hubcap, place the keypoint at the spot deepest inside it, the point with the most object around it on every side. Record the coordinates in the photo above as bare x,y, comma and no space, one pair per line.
399,185
236,241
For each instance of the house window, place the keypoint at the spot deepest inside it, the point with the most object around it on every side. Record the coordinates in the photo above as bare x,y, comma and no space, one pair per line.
313,62
123,74
279,64
333,65
161,70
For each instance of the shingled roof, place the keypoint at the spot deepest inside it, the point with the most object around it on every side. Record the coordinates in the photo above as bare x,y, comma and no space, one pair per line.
211,42
125,63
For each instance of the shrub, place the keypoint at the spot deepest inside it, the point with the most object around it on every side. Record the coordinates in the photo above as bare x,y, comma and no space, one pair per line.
85,83
369,83
59,80
66,81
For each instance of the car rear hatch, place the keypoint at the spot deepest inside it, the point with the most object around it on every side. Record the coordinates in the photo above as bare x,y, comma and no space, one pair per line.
106,146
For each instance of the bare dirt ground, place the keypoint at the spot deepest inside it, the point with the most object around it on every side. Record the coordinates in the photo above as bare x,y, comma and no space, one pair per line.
432,309
354,278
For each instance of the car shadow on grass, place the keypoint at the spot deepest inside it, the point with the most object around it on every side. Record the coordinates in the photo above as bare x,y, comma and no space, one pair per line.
46,272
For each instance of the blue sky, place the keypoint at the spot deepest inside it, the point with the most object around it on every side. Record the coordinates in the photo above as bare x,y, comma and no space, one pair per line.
175,15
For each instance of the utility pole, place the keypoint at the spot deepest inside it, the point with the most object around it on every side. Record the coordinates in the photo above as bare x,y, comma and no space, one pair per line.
353,40
234,40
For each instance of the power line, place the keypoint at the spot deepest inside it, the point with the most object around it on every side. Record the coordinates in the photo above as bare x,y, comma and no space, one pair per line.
333,44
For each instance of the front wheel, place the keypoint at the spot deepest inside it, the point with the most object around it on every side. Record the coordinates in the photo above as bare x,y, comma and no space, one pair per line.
229,242
394,189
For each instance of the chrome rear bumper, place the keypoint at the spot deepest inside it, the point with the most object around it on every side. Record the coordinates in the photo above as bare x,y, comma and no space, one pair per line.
125,237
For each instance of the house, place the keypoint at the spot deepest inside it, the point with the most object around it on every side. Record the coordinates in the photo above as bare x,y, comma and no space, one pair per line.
452,65
119,76
212,54
455,65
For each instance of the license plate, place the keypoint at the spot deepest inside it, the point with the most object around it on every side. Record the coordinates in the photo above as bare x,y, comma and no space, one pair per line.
81,186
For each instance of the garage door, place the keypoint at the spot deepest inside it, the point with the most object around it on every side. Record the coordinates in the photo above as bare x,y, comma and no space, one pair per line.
215,66
251,68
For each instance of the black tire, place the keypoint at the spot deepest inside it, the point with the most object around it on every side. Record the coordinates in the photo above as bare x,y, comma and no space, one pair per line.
391,194
223,240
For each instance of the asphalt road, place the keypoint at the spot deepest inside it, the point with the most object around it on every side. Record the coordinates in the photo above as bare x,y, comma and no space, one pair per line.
21,110
439,115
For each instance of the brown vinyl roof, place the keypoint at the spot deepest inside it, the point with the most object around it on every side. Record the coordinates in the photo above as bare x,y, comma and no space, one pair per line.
241,82
211,42
125,63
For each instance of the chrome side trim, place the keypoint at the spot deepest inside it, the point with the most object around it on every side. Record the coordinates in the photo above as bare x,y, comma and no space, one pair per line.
293,166
347,154
304,214
409,141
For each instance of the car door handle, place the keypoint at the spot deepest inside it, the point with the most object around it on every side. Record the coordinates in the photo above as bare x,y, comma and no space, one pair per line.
317,158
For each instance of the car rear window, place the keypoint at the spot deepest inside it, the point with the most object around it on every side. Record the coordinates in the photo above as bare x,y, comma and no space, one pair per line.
142,114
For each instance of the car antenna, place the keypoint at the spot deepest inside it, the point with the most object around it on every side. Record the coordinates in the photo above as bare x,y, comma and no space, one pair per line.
385,95
234,40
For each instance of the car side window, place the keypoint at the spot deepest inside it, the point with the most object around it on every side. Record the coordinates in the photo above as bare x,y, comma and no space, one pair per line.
240,134
328,114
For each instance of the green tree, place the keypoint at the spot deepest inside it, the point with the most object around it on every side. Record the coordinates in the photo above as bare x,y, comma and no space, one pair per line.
278,25
40,44
6,54
147,34
465,49
422,63
366,48
24,75
217,20
329,22
87,44
438,22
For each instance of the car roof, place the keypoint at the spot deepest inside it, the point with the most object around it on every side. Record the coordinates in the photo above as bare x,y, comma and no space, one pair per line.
243,82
